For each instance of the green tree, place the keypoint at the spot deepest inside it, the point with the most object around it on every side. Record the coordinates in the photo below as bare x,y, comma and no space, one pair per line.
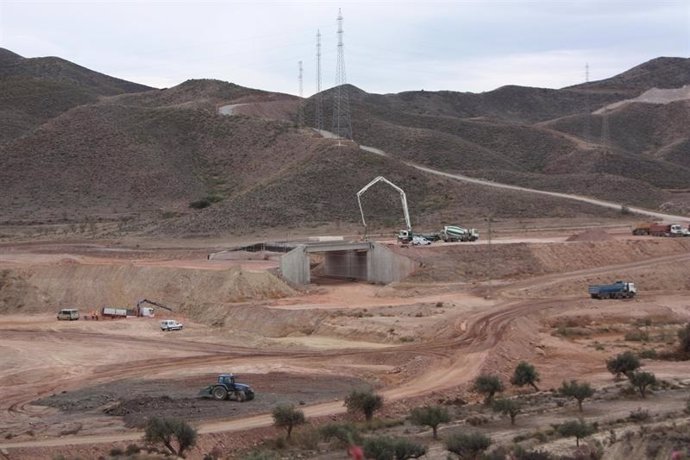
286,416
366,402
579,391
623,363
511,407
642,381
468,445
168,431
386,448
431,416
488,385
525,374
577,428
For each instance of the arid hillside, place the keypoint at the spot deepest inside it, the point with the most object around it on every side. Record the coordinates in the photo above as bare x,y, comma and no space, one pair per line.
209,157
35,90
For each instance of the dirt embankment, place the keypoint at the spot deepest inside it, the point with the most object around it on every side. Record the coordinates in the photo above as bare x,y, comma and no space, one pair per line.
47,288
515,261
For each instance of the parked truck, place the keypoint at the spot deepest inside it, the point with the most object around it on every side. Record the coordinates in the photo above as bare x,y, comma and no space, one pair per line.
455,233
617,290
657,229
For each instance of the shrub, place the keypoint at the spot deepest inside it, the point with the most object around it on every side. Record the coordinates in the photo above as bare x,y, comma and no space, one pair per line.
488,385
642,381
467,445
637,336
163,430
200,204
684,337
648,354
260,455
525,374
286,416
576,428
132,449
386,448
623,363
366,402
345,433
116,452
579,391
639,415
509,407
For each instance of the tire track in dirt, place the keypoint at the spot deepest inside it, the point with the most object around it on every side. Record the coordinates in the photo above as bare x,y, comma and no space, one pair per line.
458,358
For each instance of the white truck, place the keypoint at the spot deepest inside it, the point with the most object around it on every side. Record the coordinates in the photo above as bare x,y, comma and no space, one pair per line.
455,233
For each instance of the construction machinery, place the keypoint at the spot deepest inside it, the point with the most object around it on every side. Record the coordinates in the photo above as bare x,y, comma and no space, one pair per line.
454,233
657,229
227,388
404,236
617,290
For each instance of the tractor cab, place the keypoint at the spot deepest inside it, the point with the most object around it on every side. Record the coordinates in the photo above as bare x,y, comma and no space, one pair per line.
226,379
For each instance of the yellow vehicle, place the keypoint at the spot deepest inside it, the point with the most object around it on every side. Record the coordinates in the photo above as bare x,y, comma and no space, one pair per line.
68,314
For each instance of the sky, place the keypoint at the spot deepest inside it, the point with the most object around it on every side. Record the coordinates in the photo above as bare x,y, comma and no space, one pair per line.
389,46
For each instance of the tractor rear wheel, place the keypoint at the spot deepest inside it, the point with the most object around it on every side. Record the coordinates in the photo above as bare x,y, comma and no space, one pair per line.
219,393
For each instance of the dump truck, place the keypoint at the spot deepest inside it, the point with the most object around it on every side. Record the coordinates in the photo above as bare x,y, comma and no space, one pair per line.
227,388
657,229
617,290
455,233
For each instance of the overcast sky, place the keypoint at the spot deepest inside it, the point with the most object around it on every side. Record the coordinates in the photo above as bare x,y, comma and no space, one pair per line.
390,46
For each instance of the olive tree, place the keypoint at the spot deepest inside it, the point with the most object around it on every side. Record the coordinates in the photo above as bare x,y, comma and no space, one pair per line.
623,363
576,428
488,385
525,374
366,402
579,391
641,381
431,416
511,407
168,431
286,416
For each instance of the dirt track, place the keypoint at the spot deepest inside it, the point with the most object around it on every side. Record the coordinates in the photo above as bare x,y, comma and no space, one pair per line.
462,329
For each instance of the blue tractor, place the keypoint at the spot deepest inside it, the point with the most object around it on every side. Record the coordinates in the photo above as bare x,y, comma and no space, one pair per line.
227,388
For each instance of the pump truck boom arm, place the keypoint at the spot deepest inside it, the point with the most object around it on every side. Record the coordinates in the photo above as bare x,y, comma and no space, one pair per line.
403,198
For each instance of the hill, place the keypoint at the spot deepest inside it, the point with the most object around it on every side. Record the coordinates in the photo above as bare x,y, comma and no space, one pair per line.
169,163
35,90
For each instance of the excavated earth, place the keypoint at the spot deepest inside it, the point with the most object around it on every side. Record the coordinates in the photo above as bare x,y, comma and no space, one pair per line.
79,388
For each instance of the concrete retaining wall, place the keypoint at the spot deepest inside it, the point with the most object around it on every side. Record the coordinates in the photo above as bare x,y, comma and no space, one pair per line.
295,265
384,266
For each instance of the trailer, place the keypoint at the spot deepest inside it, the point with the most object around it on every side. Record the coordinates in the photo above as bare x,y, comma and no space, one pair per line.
658,229
617,290
113,312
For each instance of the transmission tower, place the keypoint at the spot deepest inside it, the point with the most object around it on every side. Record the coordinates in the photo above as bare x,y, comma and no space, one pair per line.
300,111
318,100
588,110
342,125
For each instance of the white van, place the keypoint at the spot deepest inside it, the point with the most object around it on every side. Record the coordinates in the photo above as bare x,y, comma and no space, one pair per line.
170,325
68,314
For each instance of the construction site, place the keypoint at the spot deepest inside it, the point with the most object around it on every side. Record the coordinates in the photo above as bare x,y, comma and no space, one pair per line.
503,273
81,387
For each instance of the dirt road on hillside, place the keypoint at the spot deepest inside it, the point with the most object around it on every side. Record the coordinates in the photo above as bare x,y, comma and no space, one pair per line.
584,199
